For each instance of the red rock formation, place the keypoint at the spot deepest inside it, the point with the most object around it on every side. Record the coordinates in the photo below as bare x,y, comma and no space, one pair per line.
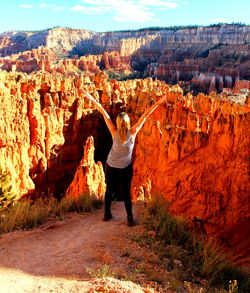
197,150
210,58
89,177
115,61
242,84
194,150
45,59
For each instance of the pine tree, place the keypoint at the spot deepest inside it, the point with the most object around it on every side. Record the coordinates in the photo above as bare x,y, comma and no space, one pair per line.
7,196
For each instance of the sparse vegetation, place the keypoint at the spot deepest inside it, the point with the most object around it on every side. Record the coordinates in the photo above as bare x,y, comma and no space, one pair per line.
102,272
27,214
122,76
189,256
156,28
7,196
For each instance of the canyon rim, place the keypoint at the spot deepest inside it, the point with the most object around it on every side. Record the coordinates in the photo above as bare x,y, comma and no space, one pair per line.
194,150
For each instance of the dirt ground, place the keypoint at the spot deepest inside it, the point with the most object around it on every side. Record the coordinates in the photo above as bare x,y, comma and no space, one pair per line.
65,256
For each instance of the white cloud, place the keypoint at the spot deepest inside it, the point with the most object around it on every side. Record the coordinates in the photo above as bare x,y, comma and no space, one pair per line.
91,10
129,11
159,3
155,3
25,6
132,12
44,5
102,2
53,7
185,2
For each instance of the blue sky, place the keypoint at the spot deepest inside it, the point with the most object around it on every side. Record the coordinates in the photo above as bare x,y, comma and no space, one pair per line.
109,15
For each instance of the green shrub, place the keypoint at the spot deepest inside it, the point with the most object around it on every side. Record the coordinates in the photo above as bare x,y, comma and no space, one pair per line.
7,196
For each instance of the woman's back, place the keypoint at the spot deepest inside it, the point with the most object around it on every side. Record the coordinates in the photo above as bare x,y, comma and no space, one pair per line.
120,155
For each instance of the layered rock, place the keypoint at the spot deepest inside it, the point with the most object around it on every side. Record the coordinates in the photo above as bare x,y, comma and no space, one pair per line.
194,150
242,84
44,125
200,147
210,58
89,176
60,40
45,60
69,41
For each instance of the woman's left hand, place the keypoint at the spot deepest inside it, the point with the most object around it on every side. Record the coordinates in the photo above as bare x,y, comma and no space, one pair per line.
88,95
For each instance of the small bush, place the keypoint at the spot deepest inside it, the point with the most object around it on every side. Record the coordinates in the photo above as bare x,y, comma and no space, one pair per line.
7,196
102,272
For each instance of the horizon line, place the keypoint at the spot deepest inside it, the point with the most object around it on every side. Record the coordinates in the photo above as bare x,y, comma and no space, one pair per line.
171,27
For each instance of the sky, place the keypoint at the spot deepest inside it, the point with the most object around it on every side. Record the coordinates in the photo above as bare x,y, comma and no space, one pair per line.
111,15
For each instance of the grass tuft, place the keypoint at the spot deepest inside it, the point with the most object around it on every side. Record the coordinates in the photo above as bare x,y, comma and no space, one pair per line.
102,272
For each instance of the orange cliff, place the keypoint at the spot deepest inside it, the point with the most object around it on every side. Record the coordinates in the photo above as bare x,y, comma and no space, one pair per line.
46,60
194,150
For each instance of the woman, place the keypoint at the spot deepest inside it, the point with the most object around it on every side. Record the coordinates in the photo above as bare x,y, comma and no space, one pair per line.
118,167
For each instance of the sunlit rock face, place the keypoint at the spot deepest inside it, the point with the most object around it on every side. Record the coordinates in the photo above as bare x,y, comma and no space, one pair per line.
45,60
242,84
194,150
199,147
44,124
208,58
89,176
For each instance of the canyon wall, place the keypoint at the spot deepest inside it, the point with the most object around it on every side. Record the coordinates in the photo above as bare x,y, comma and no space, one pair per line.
60,40
83,42
194,150
208,58
44,124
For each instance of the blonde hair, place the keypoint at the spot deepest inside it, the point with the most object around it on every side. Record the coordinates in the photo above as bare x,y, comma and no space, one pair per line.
123,125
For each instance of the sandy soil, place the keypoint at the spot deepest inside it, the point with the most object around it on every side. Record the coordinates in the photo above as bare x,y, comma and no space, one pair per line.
57,256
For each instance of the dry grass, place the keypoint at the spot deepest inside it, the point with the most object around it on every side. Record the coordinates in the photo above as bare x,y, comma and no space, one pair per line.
102,272
189,256
27,214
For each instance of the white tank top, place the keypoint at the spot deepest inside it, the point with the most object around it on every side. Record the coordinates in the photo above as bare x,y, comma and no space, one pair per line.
120,155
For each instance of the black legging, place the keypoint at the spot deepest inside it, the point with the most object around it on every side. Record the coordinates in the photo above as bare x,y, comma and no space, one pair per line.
118,180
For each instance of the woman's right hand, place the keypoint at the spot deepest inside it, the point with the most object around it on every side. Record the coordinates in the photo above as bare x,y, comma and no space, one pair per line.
162,100
108,121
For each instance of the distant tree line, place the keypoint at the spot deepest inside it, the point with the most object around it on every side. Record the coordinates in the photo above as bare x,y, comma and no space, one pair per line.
180,27
153,28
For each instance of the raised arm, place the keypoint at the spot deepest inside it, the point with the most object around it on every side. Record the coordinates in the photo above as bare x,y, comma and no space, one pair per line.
107,119
138,125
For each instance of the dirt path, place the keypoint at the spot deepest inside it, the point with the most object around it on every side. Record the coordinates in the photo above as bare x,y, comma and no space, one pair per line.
67,249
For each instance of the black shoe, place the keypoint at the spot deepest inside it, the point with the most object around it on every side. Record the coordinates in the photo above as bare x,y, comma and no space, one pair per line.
107,217
131,221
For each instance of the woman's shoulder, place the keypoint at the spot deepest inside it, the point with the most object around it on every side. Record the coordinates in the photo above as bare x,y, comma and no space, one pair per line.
131,135
114,134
